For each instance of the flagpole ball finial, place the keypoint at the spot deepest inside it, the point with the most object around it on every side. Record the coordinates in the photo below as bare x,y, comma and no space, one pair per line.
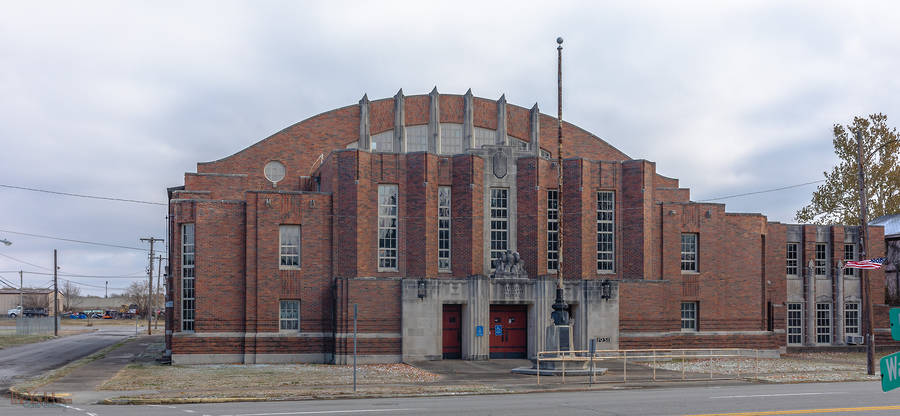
559,40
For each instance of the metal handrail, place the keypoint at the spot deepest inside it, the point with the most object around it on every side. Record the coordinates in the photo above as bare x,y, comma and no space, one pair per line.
644,354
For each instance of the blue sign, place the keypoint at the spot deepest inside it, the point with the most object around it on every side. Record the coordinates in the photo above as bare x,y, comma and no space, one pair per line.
479,331
498,330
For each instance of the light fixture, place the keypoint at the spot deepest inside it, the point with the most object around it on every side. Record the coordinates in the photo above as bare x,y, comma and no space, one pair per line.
605,290
421,288
6,242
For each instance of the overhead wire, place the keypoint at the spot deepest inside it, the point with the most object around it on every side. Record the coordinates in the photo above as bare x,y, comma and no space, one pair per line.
762,192
75,241
24,262
107,198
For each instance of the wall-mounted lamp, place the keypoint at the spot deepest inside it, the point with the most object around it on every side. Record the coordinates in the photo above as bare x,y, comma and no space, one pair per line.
422,288
605,290
671,212
708,213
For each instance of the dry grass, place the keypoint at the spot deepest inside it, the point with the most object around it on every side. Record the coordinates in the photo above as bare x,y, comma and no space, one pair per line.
790,368
7,341
260,376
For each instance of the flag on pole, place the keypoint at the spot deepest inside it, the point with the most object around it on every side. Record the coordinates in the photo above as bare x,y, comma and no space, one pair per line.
870,264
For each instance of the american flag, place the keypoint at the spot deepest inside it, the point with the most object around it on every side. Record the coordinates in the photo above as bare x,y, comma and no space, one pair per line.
865,264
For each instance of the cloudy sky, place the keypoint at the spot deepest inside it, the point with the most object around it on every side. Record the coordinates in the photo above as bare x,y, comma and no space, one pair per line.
119,99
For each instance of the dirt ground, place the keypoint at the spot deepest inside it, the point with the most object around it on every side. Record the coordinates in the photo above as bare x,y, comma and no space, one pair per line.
288,380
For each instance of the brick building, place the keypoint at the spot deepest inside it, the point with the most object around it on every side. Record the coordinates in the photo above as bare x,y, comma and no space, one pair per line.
406,206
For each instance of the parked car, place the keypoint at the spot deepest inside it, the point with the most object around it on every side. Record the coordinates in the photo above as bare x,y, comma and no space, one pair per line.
96,316
78,316
29,312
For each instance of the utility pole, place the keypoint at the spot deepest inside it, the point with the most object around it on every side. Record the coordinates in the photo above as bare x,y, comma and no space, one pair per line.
106,290
21,294
864,249
55,298
156,294
151,240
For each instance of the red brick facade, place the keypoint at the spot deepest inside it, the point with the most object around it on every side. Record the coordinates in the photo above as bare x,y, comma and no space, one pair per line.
331,191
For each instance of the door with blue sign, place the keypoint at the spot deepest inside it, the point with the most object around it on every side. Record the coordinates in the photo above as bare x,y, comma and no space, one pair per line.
508,331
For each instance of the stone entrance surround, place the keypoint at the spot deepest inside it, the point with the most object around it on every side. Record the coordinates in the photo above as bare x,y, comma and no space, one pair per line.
594,316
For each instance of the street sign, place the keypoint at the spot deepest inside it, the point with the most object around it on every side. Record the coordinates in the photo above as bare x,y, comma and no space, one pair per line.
479,331
890,372
895,323
498,330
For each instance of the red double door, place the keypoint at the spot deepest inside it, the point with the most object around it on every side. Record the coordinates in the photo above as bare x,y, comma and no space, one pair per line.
508,331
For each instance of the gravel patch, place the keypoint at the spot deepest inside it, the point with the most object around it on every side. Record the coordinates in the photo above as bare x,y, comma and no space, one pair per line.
806,367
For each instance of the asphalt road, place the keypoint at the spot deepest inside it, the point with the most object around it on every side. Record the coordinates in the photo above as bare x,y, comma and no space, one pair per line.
773,399
25,361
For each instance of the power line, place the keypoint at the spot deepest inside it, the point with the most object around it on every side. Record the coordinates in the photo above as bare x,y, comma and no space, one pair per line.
75,241
25,262
758,192
75,275
107,198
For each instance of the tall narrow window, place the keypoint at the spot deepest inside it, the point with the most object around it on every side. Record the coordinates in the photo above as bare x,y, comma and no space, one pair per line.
605,228
849,255
795,323
792,259
289,312
851,318
821,260
289,236
187,277
689,316
823,323
552,230
387,227
689,252
499,223
444,228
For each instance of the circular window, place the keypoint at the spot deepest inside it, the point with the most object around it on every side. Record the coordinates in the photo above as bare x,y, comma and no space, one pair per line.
274,171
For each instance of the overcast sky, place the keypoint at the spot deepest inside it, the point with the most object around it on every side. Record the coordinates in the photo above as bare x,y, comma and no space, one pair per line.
119,99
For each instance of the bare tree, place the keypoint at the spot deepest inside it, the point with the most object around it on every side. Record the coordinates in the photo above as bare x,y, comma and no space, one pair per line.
71,295
137,294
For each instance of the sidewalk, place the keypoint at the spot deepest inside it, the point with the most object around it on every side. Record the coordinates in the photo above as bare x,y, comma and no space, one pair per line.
81,384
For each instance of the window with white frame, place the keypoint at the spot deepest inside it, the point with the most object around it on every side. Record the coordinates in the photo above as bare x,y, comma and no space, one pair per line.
451,138
851,318
689,316
187,277
444,228
849,255
795,323
417,138
792,259
289,236
823,323
484,137
821,264
289,312
383,142
499,223
606,204
689,252
552,230
387,227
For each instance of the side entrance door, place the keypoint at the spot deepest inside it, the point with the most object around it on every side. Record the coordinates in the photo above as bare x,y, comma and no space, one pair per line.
452,336
509,331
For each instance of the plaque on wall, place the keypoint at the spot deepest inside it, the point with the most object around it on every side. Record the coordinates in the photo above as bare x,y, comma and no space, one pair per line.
499,162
